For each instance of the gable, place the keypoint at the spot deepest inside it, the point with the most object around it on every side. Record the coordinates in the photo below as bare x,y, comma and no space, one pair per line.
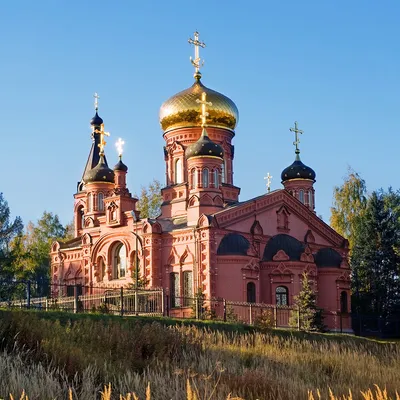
279,212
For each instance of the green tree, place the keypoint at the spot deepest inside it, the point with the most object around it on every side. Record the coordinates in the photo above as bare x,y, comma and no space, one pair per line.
305,308
150,200
31,251
375,260
9,230
349,203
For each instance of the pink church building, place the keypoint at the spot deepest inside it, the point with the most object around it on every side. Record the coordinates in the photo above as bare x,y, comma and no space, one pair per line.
205,239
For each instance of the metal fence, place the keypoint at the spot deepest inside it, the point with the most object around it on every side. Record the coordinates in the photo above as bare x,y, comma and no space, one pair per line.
154,302
120,301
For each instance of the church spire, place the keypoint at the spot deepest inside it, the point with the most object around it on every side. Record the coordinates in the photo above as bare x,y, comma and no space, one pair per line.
96,154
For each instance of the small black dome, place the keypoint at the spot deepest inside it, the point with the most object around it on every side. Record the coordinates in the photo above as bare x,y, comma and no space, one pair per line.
120,166
233,244
328,258
100,173
297,171
96,120
204,147
290,245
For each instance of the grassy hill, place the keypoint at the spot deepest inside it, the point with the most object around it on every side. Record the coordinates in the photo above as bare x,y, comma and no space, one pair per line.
48,353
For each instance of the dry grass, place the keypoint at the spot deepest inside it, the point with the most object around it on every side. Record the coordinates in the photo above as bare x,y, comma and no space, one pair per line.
184,362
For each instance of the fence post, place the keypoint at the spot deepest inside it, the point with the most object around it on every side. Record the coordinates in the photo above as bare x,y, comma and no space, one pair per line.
196,304
224,302
275,317
162,302
47,304
136,302
298,318
251,316
167,305
121,300
75,299
28,294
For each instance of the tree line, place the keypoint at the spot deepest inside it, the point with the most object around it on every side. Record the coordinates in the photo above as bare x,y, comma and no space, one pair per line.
371,223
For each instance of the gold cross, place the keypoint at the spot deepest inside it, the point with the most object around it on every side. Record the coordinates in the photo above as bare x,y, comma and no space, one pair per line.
96,101
204,113
269,179
196,62
102,143
296,132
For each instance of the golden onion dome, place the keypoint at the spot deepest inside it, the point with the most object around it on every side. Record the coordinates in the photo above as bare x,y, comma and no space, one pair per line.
183,111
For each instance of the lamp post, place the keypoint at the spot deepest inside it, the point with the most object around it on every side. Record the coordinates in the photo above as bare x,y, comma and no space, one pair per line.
138,241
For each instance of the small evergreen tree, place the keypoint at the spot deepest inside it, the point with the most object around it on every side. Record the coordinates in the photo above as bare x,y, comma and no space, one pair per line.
305,309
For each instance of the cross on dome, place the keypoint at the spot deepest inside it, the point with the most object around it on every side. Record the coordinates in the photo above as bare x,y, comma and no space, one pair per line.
268,178
119,144
204,103
197,62
102,143
297,140
96,101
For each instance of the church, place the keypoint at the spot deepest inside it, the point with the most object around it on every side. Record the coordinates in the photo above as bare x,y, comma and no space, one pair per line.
205,239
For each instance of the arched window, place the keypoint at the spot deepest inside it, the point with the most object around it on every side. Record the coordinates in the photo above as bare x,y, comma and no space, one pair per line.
282,296
301,196
223,172
343,302
80,218
187,288
119,262
310,196
90,202
216,178
100,202
251,292
205,177
175,288
193,178
178,171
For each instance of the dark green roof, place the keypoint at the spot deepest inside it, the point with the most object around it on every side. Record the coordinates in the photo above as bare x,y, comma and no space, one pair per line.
204,147
233,244
327,258
298,170
120,166
290,245
100,173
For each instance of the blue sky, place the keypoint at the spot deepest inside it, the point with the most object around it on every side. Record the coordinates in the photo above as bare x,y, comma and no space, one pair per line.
331,65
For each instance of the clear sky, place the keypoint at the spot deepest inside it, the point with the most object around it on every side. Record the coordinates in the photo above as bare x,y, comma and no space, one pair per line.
333,66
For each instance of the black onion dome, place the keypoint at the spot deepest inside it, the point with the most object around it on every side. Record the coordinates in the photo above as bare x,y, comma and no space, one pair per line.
327,258
204,147
298,170
233,244
100,173
120,166
290,245
96,120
